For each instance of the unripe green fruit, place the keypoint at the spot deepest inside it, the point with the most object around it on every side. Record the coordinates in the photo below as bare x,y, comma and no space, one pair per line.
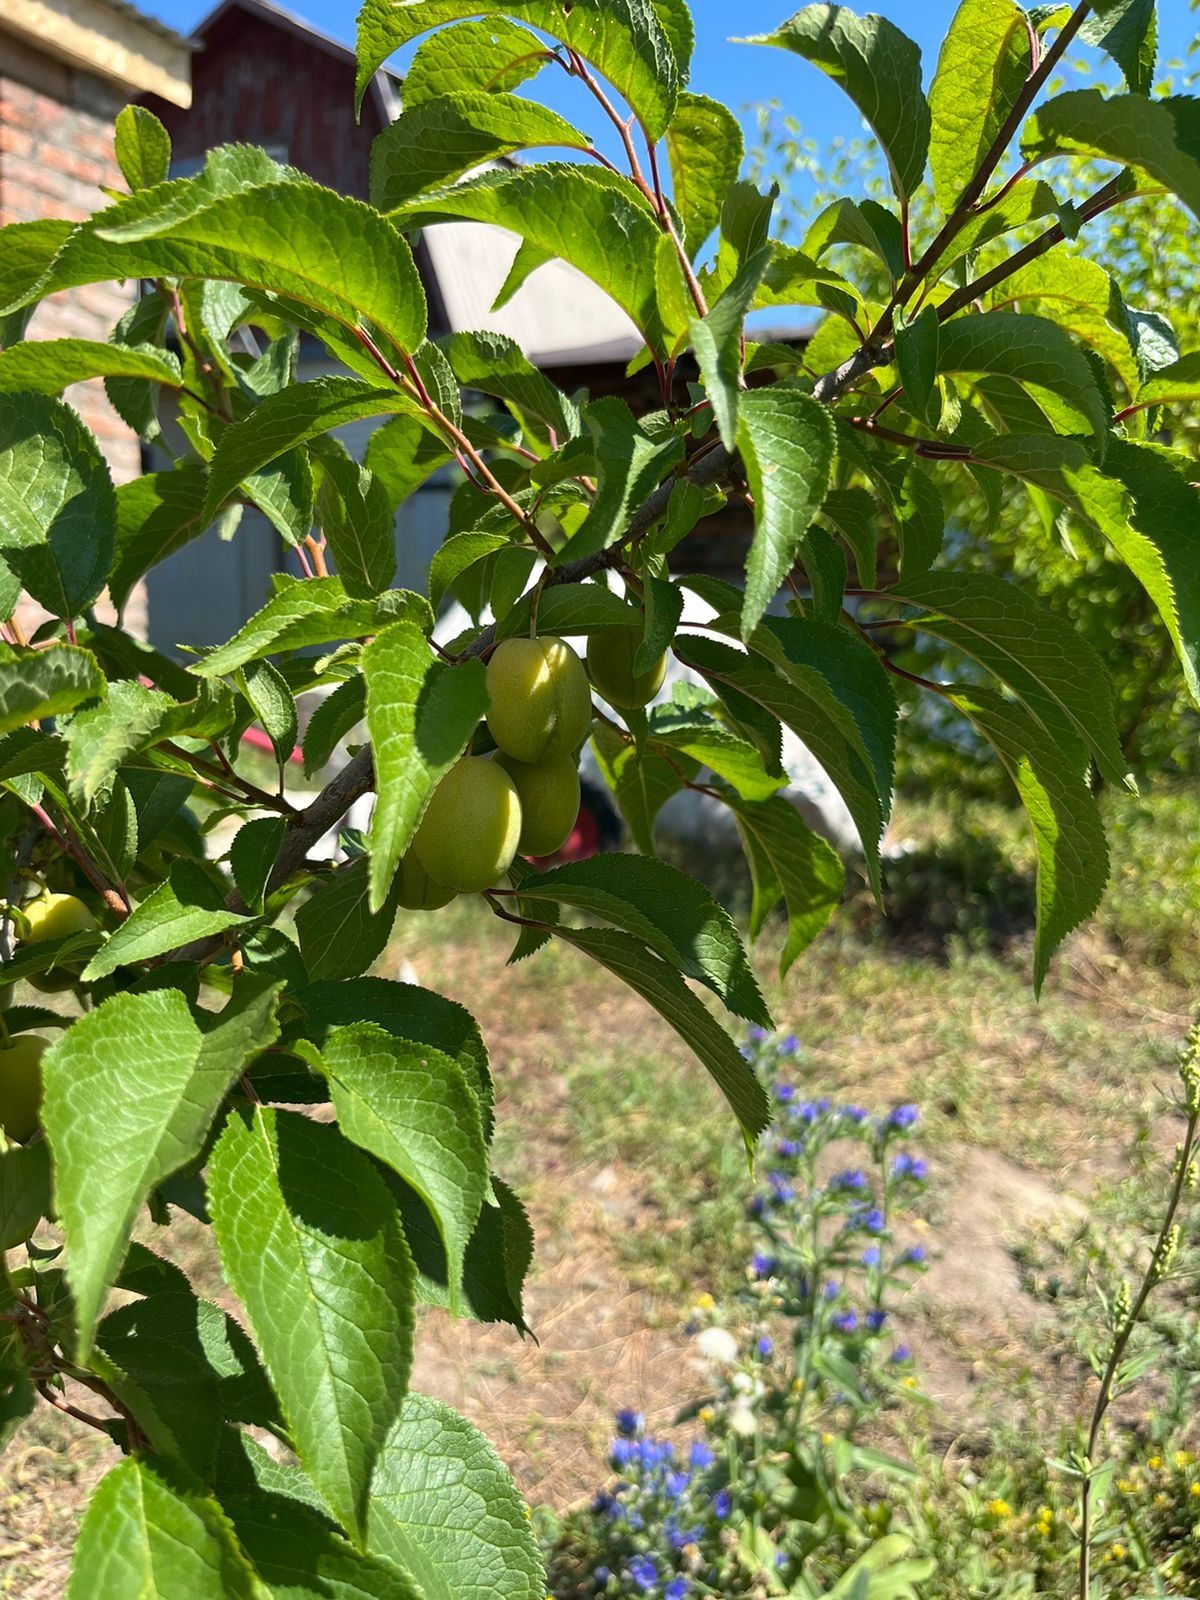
610,662
549,792
55,916
418,892
541,703
21,1084
468,835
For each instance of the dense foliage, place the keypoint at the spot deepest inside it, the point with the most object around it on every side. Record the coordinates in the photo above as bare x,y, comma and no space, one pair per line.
210,996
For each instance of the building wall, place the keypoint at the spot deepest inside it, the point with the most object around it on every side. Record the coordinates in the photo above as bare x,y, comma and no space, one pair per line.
255,82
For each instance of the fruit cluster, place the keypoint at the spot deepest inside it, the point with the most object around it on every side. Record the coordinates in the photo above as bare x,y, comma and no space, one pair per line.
524,799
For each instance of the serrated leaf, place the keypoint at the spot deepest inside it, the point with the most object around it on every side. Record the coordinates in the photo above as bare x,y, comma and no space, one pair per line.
130,719
309,611
1051,777
1034,352
130,1092
855,515
311,1243
412,1108
48,366
403,454
659,984
736,760
420,714
340,936
35,684
329,723
496,55
981,70
436,141
157,514
916,356
58,510
1148,135
824,561
705,147
631,464
24,1192
1127,30
459,554
186,906
1177,383
497,1259
669,911
642,782
1080,295
325,251
252,855
625,39
598,224
788,861
717,342
143,148
274,706
787,443
1047,665
663,604
146,1534
444,1508
879,67
495,365
567,608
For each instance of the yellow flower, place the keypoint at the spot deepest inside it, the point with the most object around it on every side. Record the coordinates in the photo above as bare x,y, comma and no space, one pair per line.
705,1302
909,1383
798,1386
1184,1458
1118,1552
999,1509
706,1414
1162,1499
826,1438
1155,1463
1126,1486
1194,1490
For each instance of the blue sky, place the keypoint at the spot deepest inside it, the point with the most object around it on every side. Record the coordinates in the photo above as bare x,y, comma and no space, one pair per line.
737,74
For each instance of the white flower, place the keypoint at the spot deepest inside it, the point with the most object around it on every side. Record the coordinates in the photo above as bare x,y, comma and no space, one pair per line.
741,1418
717,1344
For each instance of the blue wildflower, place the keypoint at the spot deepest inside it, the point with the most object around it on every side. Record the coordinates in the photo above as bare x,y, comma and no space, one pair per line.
900,1353
870,1256
913,1256
677,1589
876,1320
845,1322
757,1035
756,1205
677,1484
701,1456
869,1218
623,1451
765,1347
644,1572
784,1092
906,1166
762,1266
789,1045
854,1114
850,1182
601,1576
722,1504
831,1290
789,1149
902,1117
630,1423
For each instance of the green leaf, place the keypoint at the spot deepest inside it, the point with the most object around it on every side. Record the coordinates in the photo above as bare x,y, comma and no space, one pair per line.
717,342
1036,353
274,705
916,355
130,1093
58,511
1177,383
631,464
1050,667
659,984
340,936
24,1192
293,416
1148,135
1128,31
130,719
642,782
420,714
494,364
828,570
308,611
413,1108
459,554
879,67
855,515
736,760
403,454
48,366
495,54
632,43
157,514
705,147
408,1012
1051,777
1079,295
35,684
438,140
29,248
444,1508
143,148
311,1243
788,862
148,1535
331,721
325,251
597,223
920,516
981,70
569,608
669,911
497,1259
787,443
187,906
252,855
